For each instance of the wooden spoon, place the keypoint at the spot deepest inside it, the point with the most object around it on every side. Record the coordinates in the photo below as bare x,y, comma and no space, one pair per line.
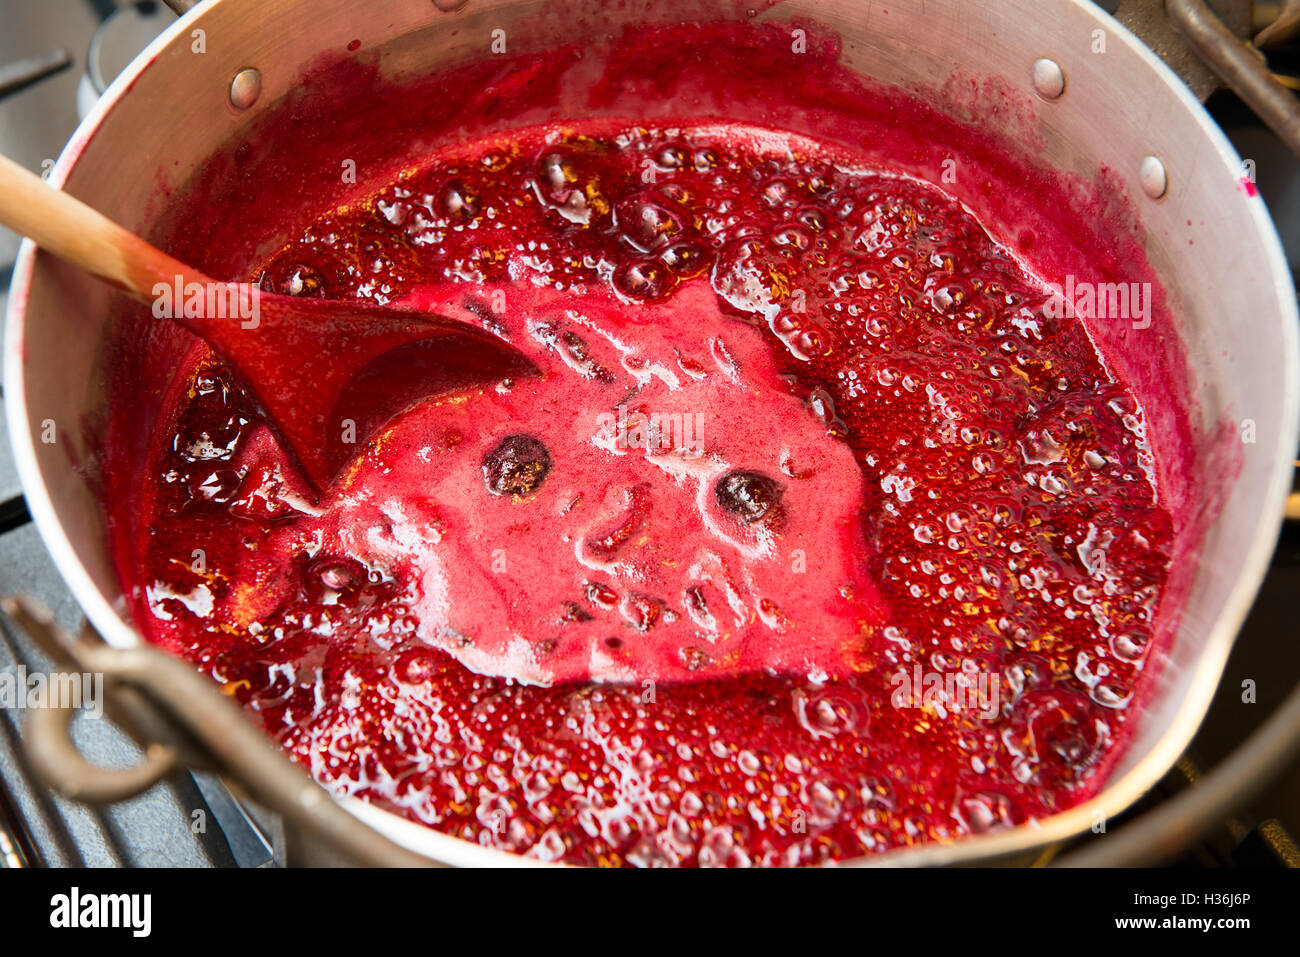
326,374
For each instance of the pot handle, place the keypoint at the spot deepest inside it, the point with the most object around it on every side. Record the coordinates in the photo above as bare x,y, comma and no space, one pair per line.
1241,66
55,758
181,719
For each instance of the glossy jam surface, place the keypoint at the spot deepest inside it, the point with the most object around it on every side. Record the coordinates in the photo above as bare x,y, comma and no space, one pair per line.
815,537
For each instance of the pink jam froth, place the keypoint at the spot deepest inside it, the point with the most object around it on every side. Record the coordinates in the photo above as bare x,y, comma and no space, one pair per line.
814,536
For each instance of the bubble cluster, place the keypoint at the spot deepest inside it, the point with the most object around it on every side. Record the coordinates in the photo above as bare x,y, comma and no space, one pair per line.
1015,530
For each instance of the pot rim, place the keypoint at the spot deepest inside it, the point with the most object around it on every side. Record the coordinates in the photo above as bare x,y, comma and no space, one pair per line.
1114,795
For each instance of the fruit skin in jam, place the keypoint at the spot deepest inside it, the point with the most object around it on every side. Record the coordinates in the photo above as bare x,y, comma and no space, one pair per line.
803,437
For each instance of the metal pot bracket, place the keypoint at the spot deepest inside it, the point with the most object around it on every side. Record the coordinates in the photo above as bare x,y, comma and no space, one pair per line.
1207,45
179,719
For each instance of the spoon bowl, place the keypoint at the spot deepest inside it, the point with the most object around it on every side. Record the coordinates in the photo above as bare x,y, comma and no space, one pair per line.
328,375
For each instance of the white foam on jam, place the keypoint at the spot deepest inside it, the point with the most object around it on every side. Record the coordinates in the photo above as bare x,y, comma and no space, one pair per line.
198,602
511,585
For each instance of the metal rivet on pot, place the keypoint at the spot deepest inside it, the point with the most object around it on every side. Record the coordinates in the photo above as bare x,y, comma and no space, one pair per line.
245,88
1153,176
1049,78
449,6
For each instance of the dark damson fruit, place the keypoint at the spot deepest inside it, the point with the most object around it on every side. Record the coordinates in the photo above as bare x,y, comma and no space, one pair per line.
517,466
753,498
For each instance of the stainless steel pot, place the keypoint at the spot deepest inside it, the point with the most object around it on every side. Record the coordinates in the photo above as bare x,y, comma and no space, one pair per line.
1121,111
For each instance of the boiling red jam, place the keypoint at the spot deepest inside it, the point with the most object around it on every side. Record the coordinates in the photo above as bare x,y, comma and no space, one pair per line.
815,536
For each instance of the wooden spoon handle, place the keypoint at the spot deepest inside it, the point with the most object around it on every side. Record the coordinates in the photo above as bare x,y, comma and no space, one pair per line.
73,231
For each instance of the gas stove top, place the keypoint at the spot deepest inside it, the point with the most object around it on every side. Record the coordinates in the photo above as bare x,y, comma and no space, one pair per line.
69,50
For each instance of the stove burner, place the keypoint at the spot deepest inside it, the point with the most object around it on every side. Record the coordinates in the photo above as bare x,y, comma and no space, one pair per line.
117,42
